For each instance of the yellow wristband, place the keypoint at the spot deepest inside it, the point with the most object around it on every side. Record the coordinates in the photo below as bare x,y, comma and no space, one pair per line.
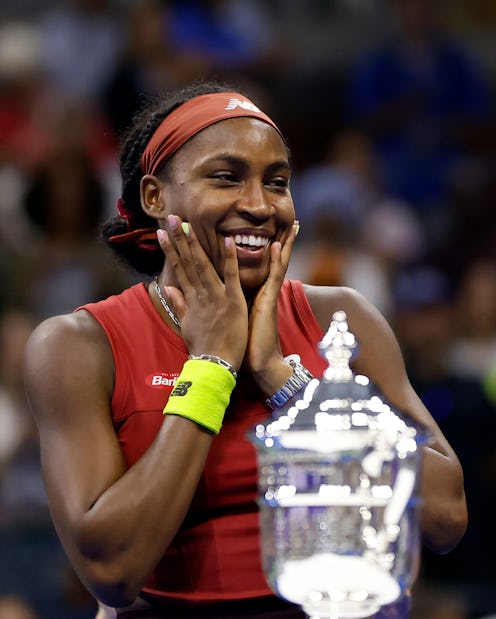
202,393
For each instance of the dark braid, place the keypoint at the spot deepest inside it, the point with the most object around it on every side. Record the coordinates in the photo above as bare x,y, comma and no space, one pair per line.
145,123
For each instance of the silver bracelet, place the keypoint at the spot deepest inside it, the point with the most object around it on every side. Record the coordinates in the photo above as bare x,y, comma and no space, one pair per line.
217,360
295,383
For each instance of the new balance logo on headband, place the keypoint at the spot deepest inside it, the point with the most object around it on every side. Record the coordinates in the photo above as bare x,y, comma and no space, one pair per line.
246,105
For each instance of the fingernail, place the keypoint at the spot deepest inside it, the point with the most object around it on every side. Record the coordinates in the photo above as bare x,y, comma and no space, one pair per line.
160,234
172,219
185,227
297,229
227,241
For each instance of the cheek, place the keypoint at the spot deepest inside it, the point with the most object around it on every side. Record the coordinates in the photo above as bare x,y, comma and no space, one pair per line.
287,212
188,205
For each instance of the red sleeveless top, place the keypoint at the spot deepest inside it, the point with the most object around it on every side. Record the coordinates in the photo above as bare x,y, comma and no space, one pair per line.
216,553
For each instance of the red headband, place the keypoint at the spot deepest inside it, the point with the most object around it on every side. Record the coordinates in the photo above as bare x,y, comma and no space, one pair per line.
176,129
190,118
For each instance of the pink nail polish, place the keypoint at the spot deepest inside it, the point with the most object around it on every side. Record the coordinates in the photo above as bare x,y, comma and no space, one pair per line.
172,219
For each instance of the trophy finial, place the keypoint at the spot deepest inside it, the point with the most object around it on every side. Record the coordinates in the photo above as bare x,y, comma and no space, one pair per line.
337,348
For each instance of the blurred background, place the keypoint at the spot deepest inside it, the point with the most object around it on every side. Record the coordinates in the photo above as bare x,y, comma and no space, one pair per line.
389,110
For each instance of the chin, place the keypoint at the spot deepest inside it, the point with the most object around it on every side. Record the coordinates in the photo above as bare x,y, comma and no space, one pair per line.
252,281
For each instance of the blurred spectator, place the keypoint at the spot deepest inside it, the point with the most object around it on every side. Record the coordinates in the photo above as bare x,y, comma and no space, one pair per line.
474,216
23,504
473,352
466,15
168,44
343,184
438,602
14,607
232,34
80,42
34,121
64,261
352,234
424,324
20,477
23,139
334,258
420,96
149,63
31,558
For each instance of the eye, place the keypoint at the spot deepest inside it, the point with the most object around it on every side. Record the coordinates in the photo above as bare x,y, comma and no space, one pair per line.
225,177
279,183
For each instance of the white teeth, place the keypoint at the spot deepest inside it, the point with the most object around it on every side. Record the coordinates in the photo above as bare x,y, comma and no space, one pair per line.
250,240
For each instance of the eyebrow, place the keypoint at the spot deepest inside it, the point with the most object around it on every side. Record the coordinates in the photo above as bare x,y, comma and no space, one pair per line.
238,161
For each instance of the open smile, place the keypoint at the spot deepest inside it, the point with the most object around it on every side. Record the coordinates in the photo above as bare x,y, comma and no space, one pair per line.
250,242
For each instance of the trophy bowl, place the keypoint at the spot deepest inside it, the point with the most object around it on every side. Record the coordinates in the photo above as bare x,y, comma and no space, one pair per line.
337,478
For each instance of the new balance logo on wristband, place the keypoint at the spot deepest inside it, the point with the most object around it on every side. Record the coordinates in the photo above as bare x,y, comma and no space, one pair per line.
181,388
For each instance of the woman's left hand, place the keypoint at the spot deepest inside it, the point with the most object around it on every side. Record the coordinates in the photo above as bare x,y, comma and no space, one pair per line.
263,356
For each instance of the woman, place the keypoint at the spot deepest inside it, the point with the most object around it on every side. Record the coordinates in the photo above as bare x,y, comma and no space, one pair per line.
157,512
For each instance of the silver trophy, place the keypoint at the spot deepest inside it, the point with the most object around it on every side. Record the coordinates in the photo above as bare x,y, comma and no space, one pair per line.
337,473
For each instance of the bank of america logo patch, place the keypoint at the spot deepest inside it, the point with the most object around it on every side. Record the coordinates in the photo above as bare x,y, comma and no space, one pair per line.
161,380
245,105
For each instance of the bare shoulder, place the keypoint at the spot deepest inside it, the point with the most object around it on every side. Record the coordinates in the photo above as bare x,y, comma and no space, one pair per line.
66,354
69,335
325,300
379,355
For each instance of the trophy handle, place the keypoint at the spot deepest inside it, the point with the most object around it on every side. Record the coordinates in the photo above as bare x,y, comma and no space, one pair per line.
401,494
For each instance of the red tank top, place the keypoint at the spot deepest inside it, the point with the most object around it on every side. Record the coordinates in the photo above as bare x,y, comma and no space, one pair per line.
216,553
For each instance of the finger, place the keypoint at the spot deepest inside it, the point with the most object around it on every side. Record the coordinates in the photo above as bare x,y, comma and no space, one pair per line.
180,233
173,258
207,276
276,271
287,247
280,253
269,291
231,267
176,301
197,263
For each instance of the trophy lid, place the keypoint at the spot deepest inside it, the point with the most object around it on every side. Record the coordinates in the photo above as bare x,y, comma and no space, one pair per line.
342,411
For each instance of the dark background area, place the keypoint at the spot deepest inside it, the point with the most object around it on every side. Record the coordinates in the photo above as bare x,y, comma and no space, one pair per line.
389,110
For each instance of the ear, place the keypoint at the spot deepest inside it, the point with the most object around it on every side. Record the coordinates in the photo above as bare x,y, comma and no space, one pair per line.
151,192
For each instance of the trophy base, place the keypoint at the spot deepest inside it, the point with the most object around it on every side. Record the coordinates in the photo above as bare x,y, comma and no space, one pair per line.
332,586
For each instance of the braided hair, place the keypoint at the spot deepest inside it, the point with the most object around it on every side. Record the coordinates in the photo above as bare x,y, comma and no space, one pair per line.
146,260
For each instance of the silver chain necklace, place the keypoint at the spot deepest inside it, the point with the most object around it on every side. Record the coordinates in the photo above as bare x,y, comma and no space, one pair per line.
165,305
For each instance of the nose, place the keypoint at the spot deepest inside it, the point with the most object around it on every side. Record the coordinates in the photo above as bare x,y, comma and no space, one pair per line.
255,201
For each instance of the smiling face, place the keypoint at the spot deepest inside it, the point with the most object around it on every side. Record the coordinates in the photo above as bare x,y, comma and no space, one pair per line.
232,179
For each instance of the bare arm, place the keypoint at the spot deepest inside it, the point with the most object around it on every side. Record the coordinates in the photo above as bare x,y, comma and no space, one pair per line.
444,515
115,523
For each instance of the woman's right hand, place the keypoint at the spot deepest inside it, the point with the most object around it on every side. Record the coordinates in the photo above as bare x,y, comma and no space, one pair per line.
213,313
